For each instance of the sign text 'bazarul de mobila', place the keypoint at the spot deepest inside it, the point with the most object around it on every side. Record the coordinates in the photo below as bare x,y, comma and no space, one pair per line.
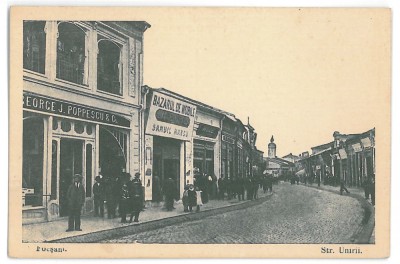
170,117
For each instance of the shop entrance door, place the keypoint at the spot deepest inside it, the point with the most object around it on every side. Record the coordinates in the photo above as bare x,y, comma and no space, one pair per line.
167,160
171,170
71,162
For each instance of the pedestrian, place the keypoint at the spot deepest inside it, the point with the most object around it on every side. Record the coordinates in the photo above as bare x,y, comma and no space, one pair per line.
136,194
205,188
199,201
124,202
192,198
214,187
110,197
98,196
255,187
157,197
366,185
269,182
76,199
229,187
372,189
170,193
185,198
343,187
221,188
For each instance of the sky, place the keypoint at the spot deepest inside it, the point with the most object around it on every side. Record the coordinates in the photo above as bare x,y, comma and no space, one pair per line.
298,74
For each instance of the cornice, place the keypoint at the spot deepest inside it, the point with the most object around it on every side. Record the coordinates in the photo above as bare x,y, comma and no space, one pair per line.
77,92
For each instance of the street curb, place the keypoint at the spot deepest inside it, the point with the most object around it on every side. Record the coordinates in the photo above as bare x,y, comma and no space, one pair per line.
368,223
155,224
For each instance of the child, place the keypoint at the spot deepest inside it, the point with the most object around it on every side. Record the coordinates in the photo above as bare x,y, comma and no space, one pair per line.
185,199
192,199
198,200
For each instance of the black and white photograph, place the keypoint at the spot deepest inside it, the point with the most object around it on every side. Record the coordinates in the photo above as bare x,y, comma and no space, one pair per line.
229,131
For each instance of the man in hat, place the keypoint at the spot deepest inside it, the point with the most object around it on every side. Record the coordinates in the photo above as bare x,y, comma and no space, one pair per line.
76,199
136,193
98,196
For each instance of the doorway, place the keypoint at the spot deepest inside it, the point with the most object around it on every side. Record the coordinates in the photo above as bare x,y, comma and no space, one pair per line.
167,160
71,163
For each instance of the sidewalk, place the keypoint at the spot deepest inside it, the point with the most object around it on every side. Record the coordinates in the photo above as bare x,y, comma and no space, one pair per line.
96,228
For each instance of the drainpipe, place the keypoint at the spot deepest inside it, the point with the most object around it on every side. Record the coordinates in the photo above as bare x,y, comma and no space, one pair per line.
145,91
220,147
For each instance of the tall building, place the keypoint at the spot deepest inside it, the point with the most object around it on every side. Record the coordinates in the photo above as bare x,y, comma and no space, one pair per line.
81,108
279,168
272,148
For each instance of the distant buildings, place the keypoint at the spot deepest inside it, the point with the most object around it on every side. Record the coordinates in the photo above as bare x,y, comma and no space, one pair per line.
348,157
281,168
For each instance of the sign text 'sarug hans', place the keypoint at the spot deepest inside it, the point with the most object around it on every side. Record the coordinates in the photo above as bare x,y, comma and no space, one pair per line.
170,117
69,109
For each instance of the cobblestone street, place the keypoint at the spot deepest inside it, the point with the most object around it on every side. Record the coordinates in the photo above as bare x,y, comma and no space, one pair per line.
294,214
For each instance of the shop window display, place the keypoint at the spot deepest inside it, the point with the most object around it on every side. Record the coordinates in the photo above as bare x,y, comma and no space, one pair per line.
32,170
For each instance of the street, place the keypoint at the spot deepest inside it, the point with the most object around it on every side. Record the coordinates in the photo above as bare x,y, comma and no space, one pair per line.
294,214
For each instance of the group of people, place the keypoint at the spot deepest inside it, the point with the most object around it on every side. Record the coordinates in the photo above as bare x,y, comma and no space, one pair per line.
207,184
122,192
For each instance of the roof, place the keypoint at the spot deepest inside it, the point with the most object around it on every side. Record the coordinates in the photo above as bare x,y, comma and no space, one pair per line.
279,161
320,152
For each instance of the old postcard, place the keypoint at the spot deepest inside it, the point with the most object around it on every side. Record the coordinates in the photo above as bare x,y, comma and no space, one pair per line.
199,132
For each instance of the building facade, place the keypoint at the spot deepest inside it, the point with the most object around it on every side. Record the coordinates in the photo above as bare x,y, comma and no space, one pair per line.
182,137
349,158
81,108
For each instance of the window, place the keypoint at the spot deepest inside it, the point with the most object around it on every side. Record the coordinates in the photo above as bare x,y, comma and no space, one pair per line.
72,57
79,127
109,66
34,46
32,169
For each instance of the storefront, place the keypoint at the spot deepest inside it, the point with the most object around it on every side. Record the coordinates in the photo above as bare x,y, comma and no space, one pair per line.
206,142
168,143
60,139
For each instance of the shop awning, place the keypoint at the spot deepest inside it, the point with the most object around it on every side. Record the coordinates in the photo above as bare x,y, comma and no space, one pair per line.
357,147
366,142
342,154
301,172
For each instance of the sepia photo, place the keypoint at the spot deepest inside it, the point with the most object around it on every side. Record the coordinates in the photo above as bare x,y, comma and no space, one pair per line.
230,132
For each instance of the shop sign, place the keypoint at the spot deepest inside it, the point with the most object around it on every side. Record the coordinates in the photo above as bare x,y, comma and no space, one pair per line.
228,139
342,154
366,142
69,109
357,147
207,131
170,117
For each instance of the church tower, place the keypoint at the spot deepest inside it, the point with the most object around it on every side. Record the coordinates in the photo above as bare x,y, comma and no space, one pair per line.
272,148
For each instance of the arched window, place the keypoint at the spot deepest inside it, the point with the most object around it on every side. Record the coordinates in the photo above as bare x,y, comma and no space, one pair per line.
34,46
109,66
72,57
